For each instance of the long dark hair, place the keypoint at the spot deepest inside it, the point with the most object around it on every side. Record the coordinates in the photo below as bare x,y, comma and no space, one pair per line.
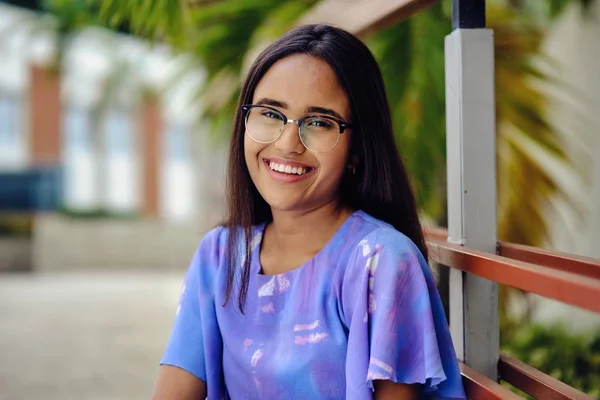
380,185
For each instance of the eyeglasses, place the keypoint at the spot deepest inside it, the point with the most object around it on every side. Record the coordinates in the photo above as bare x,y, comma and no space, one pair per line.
318,133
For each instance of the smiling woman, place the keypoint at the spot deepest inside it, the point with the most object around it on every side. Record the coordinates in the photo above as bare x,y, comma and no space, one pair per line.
322,251
298,85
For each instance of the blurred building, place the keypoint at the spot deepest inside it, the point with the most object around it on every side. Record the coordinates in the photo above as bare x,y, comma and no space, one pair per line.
103,123
123,143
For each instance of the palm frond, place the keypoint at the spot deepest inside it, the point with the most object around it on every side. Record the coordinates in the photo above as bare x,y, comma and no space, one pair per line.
411,56
546,10
223,35
525,185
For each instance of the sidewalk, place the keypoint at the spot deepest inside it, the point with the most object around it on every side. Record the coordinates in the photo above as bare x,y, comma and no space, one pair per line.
84,336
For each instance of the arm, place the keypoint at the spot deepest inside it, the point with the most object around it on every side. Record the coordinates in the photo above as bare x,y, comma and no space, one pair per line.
175,383
182,373
388,390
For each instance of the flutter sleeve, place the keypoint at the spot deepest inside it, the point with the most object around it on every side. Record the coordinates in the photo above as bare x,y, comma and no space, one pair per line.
397,329
195,343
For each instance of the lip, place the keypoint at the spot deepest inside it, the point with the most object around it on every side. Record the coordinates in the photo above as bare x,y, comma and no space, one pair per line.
287,178
287,162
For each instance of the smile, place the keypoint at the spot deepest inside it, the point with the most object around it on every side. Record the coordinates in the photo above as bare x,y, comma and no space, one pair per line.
288,172
288,169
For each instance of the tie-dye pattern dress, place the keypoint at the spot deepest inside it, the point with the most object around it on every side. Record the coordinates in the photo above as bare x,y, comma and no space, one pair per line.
364,308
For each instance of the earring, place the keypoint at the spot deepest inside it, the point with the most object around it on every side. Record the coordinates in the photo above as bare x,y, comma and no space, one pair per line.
352,168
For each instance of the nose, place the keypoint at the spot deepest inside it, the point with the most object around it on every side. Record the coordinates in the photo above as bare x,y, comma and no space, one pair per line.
289,140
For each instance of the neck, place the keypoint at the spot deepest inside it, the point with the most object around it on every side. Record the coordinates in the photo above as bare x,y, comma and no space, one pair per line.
308,229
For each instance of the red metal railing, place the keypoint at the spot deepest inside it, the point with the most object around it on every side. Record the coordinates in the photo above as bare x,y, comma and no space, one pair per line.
582,266
570,279
565,262
534,382
567,287
479,386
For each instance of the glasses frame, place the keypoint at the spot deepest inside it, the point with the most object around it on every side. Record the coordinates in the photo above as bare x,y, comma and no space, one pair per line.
342,124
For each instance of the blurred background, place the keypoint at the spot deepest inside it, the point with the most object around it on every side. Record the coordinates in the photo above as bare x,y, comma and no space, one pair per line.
114,125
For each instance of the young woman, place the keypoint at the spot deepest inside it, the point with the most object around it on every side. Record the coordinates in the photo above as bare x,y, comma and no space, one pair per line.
317,286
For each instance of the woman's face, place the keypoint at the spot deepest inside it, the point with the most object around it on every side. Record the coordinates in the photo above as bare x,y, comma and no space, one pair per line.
297,86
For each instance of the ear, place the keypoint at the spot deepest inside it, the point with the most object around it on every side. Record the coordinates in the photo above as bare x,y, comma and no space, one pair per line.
353,161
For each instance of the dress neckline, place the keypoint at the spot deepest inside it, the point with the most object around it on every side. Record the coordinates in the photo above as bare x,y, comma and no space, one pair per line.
257,243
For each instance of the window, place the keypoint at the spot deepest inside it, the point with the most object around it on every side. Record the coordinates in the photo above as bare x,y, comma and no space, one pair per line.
13,143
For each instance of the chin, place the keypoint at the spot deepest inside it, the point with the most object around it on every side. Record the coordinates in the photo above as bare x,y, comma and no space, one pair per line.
283,204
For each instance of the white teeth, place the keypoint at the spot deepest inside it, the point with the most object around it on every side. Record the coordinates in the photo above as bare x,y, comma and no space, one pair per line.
286,169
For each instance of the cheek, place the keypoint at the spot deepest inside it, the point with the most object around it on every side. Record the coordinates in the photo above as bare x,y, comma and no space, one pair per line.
251,150
335,163
251,156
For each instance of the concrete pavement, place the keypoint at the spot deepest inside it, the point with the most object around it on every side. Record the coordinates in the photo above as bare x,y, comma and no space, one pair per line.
84,335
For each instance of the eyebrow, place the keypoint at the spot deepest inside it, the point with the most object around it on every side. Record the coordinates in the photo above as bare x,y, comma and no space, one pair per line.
312,109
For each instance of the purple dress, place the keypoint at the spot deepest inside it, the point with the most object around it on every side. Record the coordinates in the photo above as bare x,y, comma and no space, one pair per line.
364,308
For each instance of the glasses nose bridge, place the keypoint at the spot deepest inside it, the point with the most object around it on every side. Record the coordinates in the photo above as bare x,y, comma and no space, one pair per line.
286,121
290,140
296,122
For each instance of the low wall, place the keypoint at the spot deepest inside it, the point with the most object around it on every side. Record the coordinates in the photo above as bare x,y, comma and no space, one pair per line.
62,243
15,254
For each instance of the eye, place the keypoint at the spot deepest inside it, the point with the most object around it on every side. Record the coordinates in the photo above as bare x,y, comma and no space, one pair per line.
271,114
319,123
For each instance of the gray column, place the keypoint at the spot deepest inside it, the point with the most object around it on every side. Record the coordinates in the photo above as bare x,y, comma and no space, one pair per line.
471,154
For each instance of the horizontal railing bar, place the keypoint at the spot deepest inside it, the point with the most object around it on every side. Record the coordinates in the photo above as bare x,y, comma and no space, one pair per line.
560,261
580,291
536,383
436,233
481,387
552,259
363,17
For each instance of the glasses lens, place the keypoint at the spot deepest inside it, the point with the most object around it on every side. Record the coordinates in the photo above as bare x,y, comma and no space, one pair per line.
263,124
319,134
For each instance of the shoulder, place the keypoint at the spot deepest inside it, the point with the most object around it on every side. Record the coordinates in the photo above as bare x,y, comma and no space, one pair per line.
378,251
214,246
213,242
385,267
377,237
210,252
